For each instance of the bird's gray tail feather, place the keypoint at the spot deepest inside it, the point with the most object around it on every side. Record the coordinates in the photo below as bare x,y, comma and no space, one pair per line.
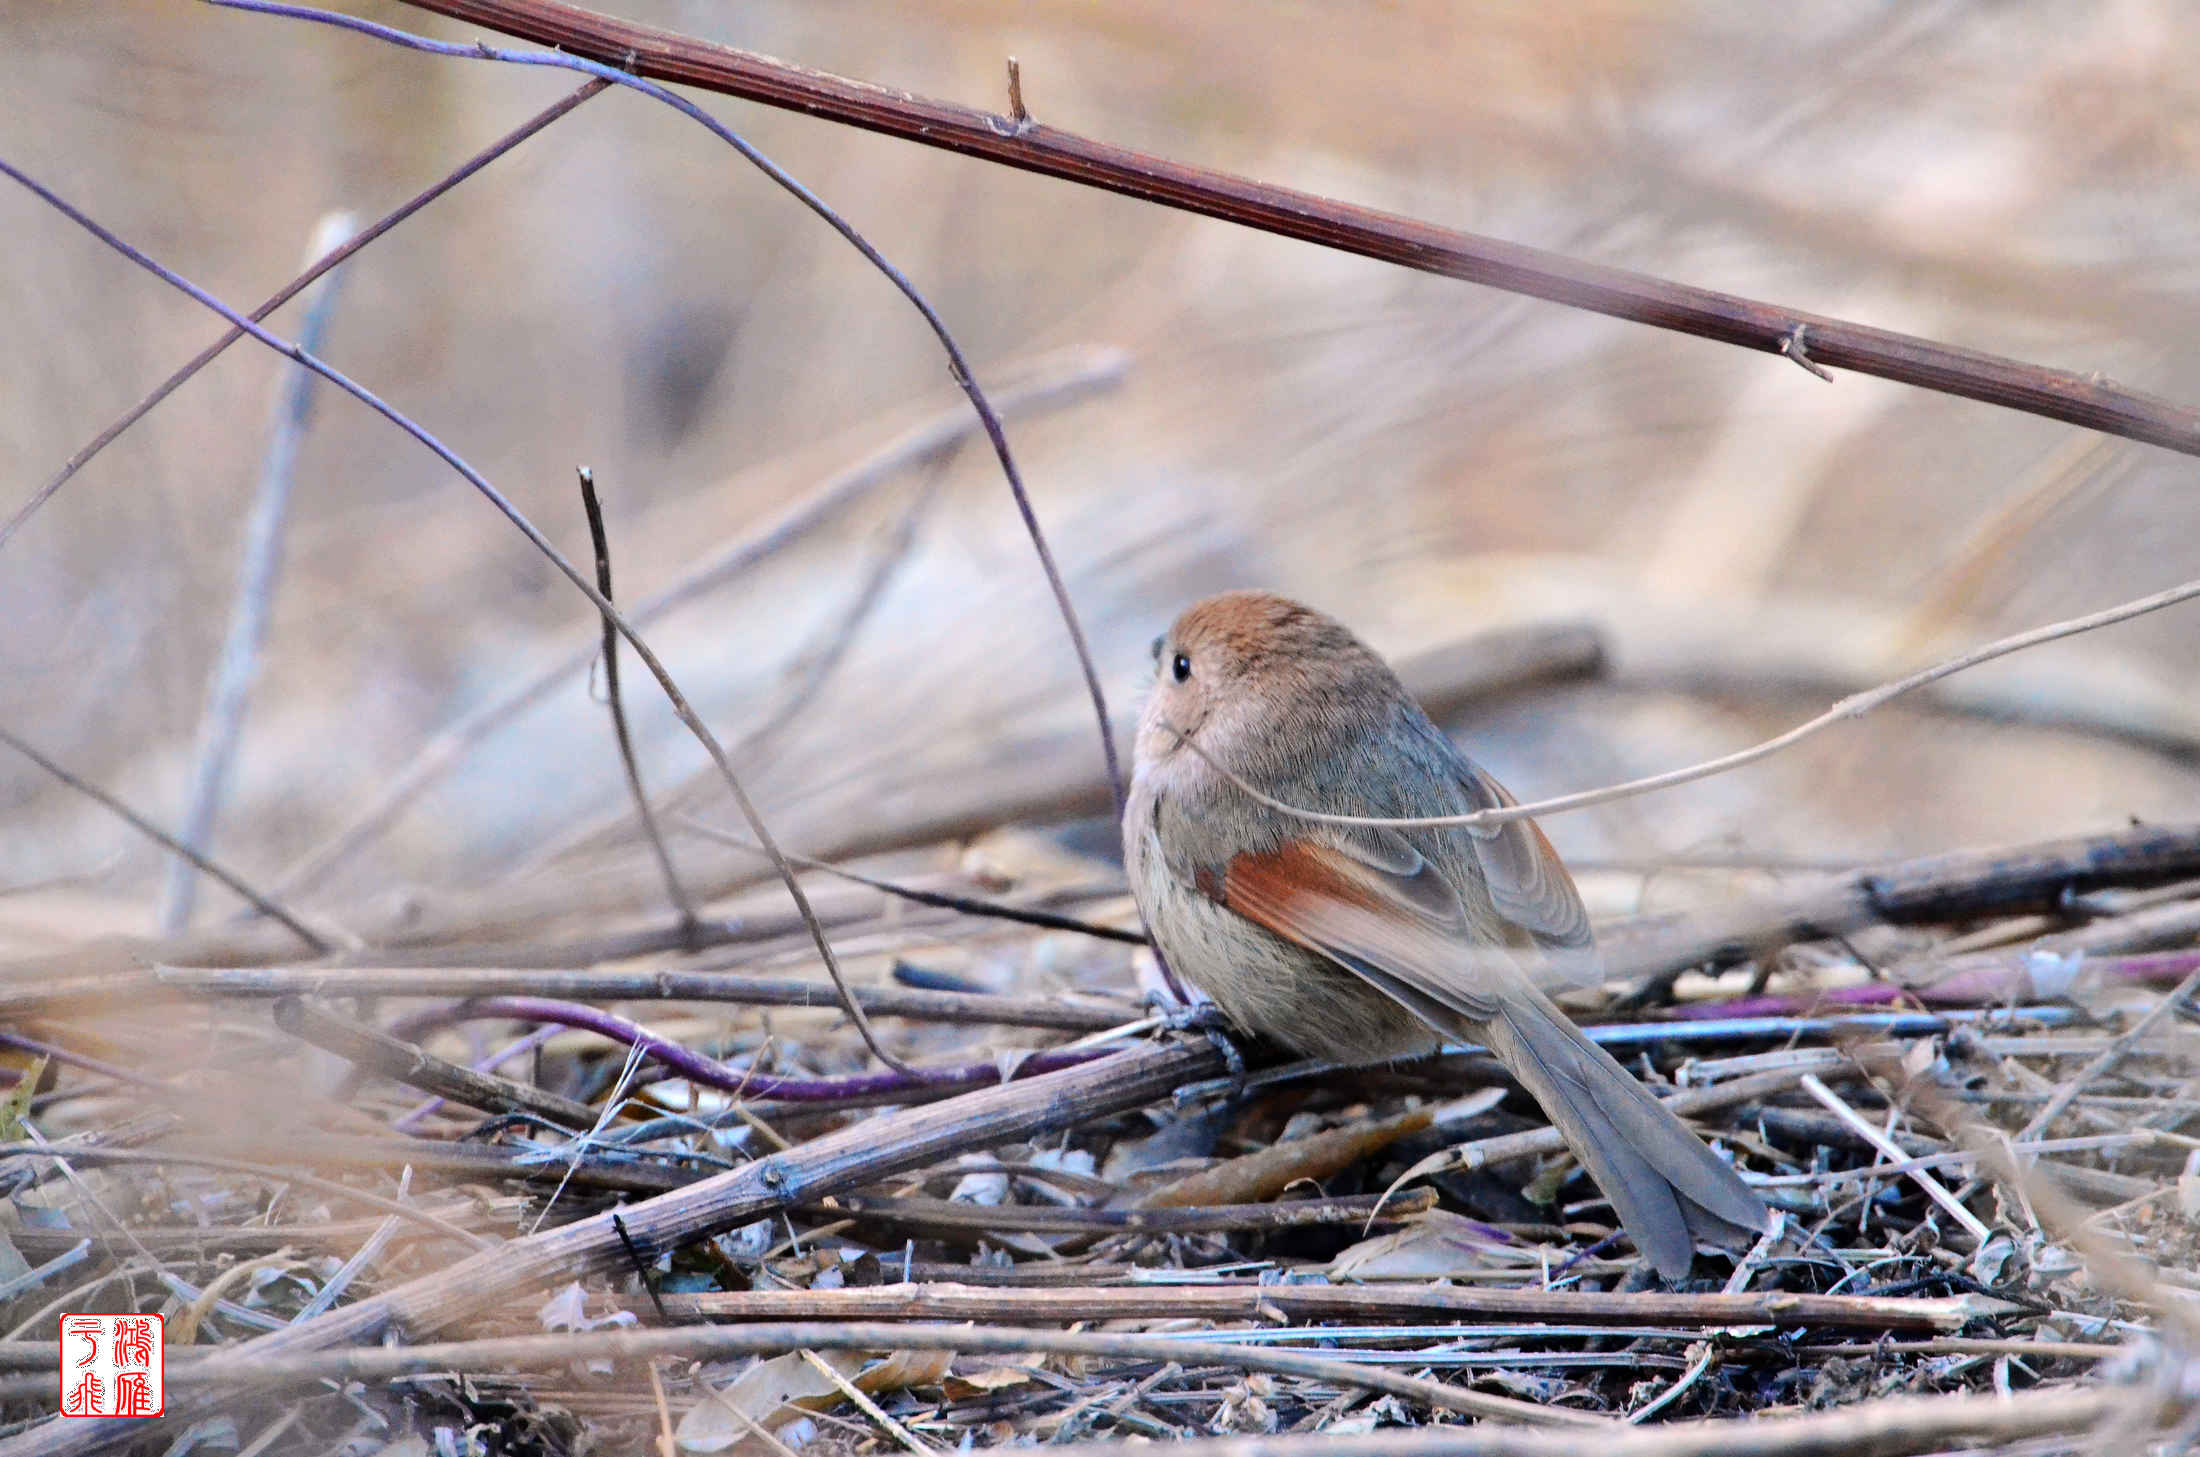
1670,1189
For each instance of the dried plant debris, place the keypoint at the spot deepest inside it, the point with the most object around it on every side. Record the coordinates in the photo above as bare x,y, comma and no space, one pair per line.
1981,1193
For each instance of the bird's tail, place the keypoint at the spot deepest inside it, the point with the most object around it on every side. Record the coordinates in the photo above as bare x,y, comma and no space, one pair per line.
1670,1189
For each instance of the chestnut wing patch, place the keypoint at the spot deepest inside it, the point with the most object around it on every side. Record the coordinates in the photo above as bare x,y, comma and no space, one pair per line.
1398,925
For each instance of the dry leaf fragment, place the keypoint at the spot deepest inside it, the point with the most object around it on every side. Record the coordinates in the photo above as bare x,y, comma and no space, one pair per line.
770,1393
995,1375
1435,1243
904,1369
1262,1175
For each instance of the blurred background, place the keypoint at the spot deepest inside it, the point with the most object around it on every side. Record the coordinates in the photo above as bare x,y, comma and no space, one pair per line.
1427,460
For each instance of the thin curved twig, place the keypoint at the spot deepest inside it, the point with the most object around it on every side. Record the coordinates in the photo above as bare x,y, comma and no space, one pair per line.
809,669
958,367
708,1072
1856,705
601,541
967,905
167,841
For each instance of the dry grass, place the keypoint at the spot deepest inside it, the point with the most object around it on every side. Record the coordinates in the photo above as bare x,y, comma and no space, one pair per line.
1398,1222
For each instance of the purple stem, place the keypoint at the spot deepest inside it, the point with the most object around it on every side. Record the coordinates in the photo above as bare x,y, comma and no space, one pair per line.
686,1063
2002,979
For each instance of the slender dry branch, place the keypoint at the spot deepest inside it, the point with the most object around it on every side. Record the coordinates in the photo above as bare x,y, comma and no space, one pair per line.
1899,1426
159,836
1935,887
111,1154
808,670
668,984
2088,400
573,1166
2172,1005
1933,1188
968,905
222,721
247,1240
601,541
1416,1304
814,667
954,1220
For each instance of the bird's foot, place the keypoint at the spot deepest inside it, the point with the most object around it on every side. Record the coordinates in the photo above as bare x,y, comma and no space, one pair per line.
1210,1021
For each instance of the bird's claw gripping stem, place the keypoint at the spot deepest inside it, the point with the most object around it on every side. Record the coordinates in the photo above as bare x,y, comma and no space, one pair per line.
1209,1020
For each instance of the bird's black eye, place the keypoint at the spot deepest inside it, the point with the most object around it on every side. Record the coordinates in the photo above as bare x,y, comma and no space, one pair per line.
1180,667
1158,644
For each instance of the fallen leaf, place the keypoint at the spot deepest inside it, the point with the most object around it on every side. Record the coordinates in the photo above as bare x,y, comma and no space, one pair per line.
1436,1242
961,1385
769,1393
904,1369
1262,1175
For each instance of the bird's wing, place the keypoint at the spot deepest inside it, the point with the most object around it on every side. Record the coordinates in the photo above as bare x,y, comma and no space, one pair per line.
1376,907
1530,888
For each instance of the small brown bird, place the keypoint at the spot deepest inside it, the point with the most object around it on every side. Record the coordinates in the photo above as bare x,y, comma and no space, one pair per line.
1357,944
